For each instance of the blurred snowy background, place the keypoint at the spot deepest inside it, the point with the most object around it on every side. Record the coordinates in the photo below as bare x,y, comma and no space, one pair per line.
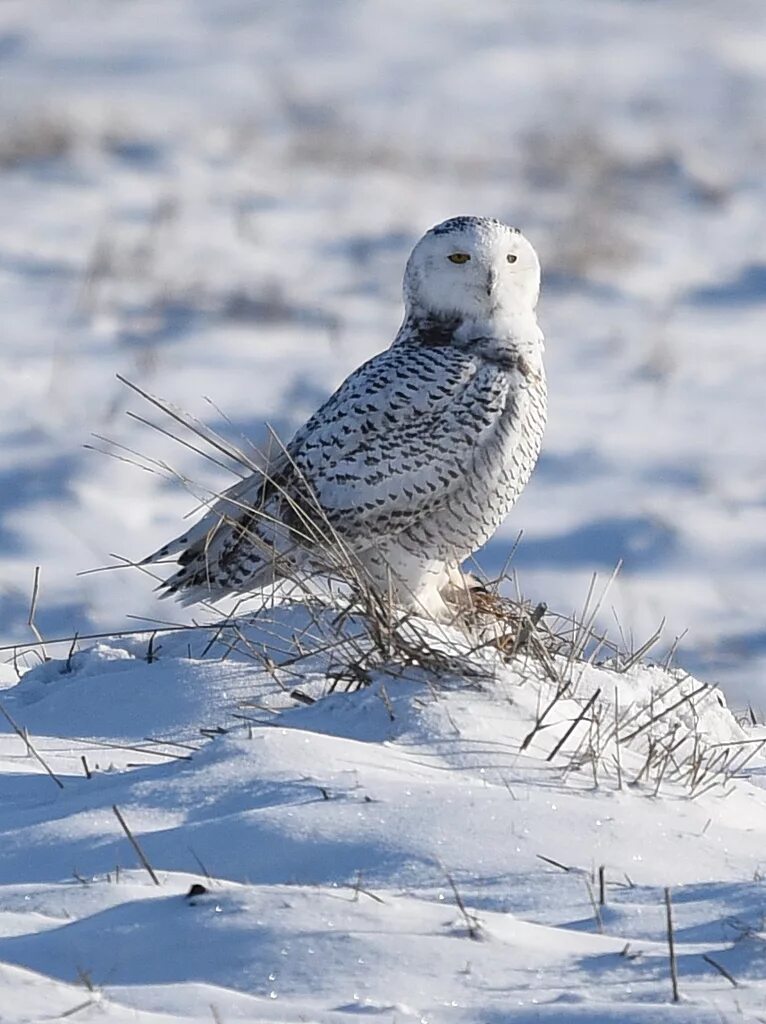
215,198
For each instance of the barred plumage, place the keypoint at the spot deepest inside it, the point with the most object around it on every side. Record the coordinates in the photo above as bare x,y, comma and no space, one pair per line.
418,456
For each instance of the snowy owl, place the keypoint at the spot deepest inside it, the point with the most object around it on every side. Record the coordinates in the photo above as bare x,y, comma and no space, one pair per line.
419,455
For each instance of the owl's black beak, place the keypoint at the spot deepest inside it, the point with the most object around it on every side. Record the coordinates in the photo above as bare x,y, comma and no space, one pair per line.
491,282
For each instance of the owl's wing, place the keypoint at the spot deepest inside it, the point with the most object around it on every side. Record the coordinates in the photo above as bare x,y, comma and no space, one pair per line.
395,439
236,505
390,446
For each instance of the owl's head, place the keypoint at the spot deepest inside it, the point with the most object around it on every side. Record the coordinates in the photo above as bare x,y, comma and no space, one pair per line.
472,267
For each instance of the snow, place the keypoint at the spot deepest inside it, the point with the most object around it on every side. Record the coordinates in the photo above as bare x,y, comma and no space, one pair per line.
216,201
328,837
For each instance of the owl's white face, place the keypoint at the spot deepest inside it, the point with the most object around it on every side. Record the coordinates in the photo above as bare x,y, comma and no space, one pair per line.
474,268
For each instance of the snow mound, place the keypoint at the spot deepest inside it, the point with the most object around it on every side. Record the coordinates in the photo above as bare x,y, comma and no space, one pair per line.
380,839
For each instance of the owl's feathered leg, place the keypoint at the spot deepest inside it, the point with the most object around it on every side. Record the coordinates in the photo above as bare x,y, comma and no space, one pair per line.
412,583
459,589
459,581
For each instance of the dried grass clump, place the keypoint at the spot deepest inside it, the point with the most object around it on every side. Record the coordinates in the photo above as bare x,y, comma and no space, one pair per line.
34,139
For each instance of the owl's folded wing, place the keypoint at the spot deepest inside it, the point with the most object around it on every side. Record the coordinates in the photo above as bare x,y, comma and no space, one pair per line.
395,441
391,445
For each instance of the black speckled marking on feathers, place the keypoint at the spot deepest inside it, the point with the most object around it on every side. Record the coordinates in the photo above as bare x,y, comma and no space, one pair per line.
455,224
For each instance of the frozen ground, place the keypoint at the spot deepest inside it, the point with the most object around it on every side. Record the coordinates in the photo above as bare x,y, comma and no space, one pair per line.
217,199
395,853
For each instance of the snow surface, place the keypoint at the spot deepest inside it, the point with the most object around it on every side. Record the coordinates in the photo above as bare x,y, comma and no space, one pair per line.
217,199
326,834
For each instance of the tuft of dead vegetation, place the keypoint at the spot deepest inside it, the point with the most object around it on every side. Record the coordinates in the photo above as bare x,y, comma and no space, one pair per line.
35,139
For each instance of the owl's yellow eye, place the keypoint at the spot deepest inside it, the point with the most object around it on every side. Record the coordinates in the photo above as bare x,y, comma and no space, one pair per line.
511,257
458,257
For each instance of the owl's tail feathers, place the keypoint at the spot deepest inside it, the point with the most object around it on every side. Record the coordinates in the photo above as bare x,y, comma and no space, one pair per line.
229,507
230,558
195,583
238,546
253,535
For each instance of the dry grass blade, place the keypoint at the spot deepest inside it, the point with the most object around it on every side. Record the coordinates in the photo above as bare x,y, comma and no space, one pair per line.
665,712
644,649
584,623
671,946
541,718
139,459
113,634
640,711
618,755
135,844
574,725
186,444
30,747
595,907
210,436
472,923
33,609
555,863
721,970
